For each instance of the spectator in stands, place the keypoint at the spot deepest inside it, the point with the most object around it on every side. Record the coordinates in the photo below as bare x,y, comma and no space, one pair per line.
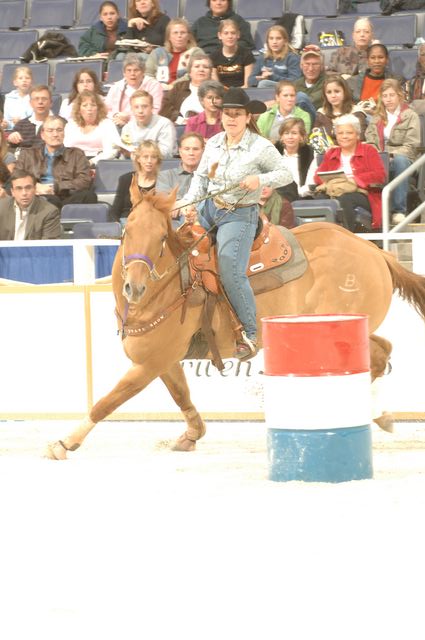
337,101
100,39
26,216
170,62
147,162
232,63
351,60
147,22
285,107
395,128
278,62
26,132
310,86
118,97
416,85
292,144
145,125
6,157
84,80
206,27
208,122
191,148
365,86
62,173
363,168
90,130
276,208
182,100
17,102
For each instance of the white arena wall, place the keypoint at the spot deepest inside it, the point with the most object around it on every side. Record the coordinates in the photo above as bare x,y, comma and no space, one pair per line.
60,352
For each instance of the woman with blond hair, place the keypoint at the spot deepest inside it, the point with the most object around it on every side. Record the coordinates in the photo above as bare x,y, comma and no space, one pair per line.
170,62
395,128
90,130
147,161
278,62
146,22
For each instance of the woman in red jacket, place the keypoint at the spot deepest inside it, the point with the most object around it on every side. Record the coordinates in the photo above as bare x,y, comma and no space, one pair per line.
362,166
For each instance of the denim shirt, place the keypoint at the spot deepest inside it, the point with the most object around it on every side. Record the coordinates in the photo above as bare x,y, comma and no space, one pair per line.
221,167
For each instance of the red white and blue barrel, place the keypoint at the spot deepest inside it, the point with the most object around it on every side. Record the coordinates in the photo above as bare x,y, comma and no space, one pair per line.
317,397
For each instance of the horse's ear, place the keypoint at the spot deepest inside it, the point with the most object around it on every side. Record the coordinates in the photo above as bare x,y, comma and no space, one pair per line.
134,190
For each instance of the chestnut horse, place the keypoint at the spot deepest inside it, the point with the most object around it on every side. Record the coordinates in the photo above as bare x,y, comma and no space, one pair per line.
345,274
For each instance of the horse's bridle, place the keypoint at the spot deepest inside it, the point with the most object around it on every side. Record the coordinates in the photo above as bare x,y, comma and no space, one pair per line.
141,258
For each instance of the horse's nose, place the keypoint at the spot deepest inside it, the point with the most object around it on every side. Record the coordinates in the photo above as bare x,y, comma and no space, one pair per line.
133,292
127,290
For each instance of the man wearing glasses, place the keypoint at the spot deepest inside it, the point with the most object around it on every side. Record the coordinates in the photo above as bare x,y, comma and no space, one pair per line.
62,173
26,132
310,86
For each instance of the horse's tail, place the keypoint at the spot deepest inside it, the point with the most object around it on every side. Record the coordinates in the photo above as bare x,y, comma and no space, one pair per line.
410,286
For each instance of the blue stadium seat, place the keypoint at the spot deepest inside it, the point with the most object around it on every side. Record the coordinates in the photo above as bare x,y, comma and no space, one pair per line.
170,163
108,173
97,230
261,93
309,8
12,14
115,71
368,8
56,103
40,74
51,13
89,13
403,62
65,72
13,44
194,9
96,212
170,7
260,32
255,10
315,210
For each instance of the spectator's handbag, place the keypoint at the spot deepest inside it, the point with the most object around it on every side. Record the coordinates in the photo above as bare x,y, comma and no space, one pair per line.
331,38
320,140
338,186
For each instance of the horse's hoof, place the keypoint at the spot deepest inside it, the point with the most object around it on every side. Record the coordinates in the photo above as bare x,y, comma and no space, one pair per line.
184,444
385,422
55,451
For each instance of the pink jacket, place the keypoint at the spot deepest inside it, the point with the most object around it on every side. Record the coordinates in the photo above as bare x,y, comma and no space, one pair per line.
117,100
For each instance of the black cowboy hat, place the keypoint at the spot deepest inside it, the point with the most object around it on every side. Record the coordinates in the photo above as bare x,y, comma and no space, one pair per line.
236,98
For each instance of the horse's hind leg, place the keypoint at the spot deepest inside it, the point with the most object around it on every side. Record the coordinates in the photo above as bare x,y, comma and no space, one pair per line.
380,351
176,383
133,381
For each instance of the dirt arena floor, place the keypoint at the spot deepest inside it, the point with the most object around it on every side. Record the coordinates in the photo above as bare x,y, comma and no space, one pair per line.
129,541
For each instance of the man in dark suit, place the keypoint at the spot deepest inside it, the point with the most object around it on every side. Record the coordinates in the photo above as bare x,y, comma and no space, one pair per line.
25,216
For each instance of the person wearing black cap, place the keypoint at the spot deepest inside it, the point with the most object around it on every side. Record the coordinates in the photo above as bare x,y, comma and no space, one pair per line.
240,162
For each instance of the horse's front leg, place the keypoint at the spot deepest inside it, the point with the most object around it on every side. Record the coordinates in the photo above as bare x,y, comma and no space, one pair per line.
380,352
176,383
133,381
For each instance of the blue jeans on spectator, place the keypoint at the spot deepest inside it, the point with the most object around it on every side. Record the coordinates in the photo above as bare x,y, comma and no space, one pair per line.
266,83
398,164
235,235
304,102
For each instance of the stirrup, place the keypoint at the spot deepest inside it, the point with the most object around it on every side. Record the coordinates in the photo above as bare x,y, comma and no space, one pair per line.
246,348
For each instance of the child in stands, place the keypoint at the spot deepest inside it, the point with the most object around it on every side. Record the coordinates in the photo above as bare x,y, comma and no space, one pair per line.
17,102
232,63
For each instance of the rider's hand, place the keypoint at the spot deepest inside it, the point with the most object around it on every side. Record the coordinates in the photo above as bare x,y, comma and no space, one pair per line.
250,183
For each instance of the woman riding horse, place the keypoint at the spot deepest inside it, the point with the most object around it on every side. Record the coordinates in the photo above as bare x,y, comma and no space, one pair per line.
241,161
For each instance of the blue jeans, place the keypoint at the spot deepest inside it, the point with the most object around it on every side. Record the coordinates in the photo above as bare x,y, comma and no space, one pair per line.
399,196
235,235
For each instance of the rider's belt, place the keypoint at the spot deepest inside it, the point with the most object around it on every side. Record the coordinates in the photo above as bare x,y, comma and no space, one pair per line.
222,204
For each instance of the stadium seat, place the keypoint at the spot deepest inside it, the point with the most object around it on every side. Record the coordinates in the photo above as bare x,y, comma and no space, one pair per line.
170,163
170,7
96,212
72,35
368,8
89,12
13,44
115,71
97,230
403,62
51,13
315,210
65,72
260,33
40,74
255,10
107,176
194,9
12,14
322,8
261,93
